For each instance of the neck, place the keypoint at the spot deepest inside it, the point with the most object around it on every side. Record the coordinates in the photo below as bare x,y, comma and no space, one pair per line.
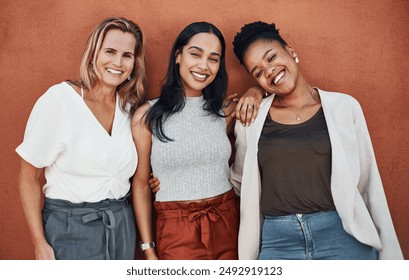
193,93
102,93
299,95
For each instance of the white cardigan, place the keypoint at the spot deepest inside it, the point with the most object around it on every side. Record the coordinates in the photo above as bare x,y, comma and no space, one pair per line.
356,185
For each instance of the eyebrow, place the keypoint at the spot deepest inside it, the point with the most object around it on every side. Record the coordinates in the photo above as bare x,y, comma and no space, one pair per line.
264,55
200,49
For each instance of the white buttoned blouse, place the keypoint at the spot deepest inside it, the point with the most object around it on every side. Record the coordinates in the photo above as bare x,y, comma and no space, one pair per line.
83,163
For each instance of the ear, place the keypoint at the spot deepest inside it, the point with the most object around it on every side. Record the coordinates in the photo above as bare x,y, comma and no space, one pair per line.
177,56
291,51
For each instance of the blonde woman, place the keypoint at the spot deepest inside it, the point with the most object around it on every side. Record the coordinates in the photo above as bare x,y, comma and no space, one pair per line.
79,134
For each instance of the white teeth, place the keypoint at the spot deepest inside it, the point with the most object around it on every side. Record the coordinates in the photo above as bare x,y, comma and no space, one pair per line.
113,71
278,77
200,76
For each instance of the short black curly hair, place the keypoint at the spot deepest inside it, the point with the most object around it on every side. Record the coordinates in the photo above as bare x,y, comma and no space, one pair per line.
252,32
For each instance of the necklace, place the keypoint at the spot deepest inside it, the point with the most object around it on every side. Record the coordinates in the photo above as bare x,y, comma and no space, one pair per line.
298,115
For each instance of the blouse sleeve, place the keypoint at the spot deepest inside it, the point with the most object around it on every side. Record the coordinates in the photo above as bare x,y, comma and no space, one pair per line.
371,189
42,138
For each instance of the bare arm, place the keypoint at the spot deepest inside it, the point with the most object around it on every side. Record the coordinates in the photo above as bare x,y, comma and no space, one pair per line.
141,193
31,198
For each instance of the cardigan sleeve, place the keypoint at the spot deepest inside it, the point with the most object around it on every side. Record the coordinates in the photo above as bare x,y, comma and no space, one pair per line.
371,188
42,142
236,170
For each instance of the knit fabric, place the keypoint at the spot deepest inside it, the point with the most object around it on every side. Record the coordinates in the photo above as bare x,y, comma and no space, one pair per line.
195,164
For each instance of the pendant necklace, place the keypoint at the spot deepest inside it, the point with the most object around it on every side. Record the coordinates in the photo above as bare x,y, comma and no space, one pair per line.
298,115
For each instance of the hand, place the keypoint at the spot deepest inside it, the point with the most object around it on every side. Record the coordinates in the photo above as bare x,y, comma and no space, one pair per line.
154,184
247,108
44,251
150,254
229,102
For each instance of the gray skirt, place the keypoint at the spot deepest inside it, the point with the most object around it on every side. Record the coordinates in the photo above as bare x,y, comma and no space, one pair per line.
93,231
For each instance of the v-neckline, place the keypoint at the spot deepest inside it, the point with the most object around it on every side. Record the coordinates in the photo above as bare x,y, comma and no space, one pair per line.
93,117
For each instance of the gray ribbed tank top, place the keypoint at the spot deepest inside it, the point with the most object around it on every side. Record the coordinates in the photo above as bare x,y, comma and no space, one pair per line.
194,165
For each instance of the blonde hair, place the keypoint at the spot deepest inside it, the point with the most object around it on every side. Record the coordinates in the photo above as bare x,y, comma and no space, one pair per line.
130,91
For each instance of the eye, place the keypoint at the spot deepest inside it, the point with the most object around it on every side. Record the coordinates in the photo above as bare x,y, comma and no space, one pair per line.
128,55
271,58
109,51
258,74
194,54
214,59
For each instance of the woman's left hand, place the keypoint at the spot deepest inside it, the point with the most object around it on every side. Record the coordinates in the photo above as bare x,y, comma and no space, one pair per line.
247,108
154,184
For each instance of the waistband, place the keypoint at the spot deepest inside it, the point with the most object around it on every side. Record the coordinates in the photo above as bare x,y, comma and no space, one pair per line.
296,216
167,206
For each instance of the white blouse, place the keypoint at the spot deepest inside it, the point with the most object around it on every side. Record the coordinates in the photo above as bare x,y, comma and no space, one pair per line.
83,163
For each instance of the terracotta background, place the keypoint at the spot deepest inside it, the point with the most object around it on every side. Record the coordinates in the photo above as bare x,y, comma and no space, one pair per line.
357,47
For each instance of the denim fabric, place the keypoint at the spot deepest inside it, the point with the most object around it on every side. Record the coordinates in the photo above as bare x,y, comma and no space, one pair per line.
93,231
314,236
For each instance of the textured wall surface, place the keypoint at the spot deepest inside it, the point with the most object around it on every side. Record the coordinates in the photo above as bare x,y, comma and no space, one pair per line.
357,47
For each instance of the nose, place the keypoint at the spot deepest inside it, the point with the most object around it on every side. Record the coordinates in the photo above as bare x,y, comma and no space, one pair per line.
202,65
269,71
117,60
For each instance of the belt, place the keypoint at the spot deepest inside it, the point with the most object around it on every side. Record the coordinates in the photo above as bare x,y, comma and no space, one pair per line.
203,216
103,210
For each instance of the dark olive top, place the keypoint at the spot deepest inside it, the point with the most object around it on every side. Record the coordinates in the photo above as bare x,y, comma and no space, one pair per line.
295,167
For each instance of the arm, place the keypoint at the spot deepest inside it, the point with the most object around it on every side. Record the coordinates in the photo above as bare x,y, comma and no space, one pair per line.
371,189
236,170
31,197
141,193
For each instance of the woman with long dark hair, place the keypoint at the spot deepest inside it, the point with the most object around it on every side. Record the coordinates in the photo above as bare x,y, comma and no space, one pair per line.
182,135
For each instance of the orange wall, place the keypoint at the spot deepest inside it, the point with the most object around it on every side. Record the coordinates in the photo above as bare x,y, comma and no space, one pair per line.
357,47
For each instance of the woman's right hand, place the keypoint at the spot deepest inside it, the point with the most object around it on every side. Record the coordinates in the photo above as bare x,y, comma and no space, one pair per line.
44,251
150,254
154,184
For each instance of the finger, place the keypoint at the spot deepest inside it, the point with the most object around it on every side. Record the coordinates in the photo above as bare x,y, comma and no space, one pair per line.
233,96
155,190
255,113
249,114
245,110
238,109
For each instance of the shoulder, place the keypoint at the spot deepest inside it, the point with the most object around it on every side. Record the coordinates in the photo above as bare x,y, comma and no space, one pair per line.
56,95
338,98
153,101
266,101
140,113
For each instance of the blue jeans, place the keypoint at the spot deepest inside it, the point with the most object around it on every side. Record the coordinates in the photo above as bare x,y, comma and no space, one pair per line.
314,236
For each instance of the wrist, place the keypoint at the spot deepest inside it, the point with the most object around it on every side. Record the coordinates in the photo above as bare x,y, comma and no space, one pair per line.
144,246
150,254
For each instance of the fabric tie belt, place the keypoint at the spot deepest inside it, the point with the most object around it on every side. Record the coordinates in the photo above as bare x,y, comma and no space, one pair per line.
103,210
202,216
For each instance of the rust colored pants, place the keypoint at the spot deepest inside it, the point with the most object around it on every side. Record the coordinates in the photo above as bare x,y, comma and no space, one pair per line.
198,230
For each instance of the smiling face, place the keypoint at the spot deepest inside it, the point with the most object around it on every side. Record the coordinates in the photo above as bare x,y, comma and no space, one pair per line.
199,62
115,60
273,66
